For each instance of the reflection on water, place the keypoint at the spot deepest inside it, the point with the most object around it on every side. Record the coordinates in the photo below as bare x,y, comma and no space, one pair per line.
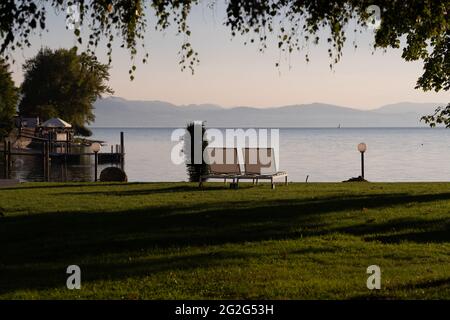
404,154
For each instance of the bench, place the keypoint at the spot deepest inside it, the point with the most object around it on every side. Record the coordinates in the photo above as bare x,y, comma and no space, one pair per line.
259,164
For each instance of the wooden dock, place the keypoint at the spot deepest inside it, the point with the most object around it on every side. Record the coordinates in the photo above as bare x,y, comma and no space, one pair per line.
48,155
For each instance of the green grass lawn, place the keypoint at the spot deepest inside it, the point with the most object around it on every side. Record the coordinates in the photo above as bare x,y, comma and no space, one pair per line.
174,241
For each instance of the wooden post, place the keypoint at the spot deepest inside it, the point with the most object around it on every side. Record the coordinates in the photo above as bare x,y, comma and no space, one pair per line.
65,168
50,144
116,156
95,165
47,159
43,159
5,159
9,160
122,151
62,172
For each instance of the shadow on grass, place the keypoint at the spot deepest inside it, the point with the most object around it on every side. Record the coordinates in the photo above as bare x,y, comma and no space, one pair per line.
181,188
34,247
54,275
400,230
74,185
121,193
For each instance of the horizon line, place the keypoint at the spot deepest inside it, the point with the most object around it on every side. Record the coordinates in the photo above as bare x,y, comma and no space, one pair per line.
270,107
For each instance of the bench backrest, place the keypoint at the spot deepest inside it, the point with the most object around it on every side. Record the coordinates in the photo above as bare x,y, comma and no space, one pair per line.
259,161
223,160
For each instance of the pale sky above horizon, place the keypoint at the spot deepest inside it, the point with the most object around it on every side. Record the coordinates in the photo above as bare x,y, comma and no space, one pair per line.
231,74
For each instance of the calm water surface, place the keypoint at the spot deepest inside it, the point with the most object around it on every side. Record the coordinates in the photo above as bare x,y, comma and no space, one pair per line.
403,154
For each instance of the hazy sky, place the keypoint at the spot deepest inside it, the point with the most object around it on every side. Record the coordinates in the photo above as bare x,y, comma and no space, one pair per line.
231,74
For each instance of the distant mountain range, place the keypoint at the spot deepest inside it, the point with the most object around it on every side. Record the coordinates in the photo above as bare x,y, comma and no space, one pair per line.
119,112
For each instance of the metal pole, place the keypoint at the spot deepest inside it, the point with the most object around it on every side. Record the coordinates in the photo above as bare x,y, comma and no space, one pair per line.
95,165
362,165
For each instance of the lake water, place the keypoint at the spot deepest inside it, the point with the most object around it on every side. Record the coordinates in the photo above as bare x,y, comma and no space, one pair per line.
325,155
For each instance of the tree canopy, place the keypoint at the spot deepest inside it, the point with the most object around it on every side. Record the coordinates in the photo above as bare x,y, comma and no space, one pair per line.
8,99
423,23
48,92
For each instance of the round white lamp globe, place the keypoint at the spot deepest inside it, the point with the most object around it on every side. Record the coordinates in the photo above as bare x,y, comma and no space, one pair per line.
95,147
362,147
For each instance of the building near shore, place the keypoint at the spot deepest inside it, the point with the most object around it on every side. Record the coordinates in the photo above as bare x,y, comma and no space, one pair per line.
57,130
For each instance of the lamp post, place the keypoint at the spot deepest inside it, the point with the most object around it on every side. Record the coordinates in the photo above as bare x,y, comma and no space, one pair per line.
362,147
95,147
